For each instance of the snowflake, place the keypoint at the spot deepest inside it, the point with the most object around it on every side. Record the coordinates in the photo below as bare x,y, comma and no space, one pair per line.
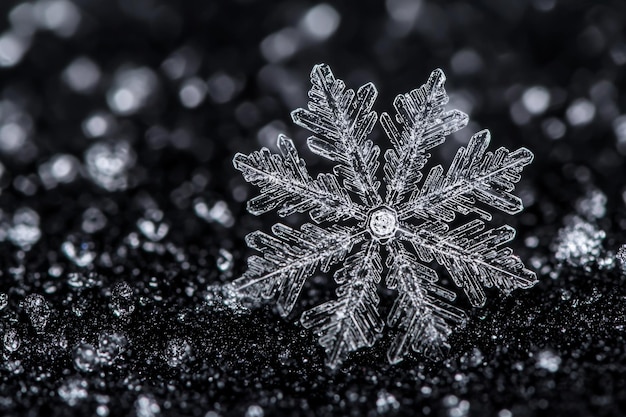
410,225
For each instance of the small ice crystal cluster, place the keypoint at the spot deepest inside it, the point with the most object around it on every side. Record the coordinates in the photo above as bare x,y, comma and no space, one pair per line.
37,310
24,229
108,164
399,232
87,358
122,300
579,242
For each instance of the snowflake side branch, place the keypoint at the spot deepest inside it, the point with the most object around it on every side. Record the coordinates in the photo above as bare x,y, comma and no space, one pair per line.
473,258
474,175
423,125
352,320
285,182
343,122
422,310
290,257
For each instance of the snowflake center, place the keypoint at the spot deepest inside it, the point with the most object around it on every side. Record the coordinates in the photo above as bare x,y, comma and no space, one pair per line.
382,223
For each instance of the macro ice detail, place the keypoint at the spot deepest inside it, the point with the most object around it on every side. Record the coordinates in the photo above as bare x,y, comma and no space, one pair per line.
400,233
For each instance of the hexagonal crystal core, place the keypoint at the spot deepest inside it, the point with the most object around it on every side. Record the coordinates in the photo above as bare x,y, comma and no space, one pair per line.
382,223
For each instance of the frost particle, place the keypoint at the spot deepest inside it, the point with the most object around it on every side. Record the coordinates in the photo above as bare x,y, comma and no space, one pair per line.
132,90
581,112
93,220
122,300
79,251
386,402
11,340
177,352
579,243
73,391
218,213
4,300
110,346
108,164
621,257
85,357
147,407
548,360
82,75
38,311
224,261
152,227
254,411
25,231
536,99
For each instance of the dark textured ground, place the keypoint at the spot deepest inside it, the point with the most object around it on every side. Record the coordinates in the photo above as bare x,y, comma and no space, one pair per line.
557,349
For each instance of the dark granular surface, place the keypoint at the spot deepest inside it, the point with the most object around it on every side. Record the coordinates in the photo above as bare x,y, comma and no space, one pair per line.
122,213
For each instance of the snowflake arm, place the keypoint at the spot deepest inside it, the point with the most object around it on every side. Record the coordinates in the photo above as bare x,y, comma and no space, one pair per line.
422,309
473,258
343,120
352,320
285,182
290,257
424,124
475,174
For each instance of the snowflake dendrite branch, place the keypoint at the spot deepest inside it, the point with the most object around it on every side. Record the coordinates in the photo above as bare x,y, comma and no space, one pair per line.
400,234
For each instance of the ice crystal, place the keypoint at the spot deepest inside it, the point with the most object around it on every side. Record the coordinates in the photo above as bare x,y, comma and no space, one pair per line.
38,311
621,257
147,407
79,250
548,360
110,346
411,225
593,205
73,391
578,243
122,302
11,340
4,300
108,164
85,357
177,352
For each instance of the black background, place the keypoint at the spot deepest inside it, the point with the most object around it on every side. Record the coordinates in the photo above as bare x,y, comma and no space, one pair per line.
575,49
